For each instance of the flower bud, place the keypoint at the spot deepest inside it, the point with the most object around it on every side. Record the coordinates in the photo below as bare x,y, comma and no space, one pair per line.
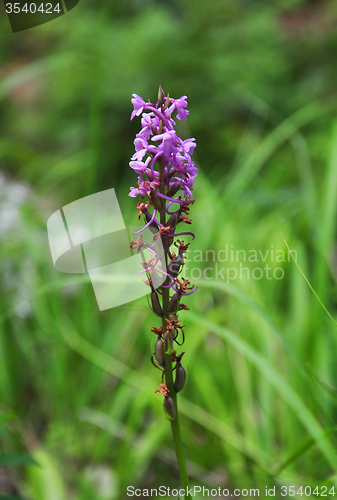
170,408
161,95
180,377
173,305
157,309
167,102
159,352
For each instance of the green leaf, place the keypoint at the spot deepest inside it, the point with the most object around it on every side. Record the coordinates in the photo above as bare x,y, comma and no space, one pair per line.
9,460
299,452
283,132
9,498
45,482
277,380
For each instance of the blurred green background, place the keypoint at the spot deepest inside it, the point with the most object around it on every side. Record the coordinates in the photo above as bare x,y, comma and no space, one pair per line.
79,415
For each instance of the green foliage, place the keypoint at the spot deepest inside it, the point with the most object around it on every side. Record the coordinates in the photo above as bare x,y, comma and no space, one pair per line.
77,388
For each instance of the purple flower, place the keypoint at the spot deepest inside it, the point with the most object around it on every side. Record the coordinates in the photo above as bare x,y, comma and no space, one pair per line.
142,147
150,124
168,140
138,105
144,188
179,105
188,146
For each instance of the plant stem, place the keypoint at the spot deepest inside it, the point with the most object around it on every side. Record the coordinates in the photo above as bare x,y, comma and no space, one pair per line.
168,358
176,427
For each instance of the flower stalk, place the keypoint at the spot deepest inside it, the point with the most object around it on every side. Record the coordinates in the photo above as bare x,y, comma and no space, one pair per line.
166,174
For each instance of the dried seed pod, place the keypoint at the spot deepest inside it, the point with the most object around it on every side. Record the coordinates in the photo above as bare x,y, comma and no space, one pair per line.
173,305
149,175
180,377
168,341
174,266
173,189
170,408
159,352
172,221
157,309
148,218
155,200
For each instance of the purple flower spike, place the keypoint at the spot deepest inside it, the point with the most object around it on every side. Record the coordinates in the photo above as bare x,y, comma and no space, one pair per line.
174,153
166,175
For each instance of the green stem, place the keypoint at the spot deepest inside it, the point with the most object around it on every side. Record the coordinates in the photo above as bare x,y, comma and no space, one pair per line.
178,444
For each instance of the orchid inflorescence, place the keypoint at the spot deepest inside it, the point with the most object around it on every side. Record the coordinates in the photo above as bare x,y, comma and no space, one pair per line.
166,174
